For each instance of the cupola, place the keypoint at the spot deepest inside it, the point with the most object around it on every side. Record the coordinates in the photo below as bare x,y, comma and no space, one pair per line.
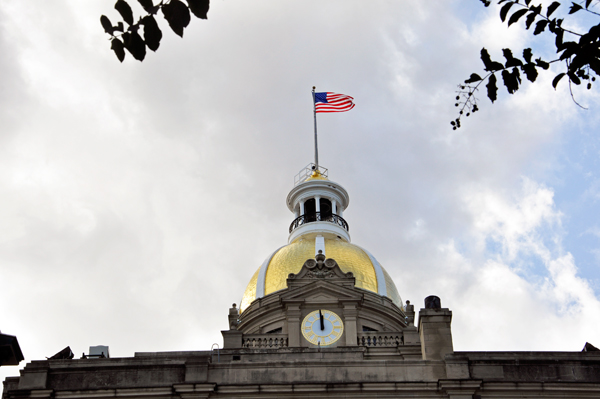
318,205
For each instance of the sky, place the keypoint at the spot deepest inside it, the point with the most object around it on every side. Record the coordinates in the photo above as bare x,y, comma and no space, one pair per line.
138,199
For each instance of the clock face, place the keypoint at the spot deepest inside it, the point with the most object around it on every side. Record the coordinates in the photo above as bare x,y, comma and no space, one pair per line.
322,327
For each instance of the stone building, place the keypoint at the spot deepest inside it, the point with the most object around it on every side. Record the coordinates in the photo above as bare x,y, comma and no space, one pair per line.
320,318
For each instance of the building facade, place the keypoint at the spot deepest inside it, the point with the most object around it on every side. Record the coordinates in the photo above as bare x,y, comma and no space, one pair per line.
320,318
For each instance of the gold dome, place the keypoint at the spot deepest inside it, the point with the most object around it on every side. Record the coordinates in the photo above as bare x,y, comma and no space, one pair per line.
272,275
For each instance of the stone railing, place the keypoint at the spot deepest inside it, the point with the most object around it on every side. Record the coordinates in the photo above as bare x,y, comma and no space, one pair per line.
265,341
373,339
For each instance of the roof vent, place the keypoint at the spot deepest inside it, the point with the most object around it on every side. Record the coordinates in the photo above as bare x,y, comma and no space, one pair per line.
98,352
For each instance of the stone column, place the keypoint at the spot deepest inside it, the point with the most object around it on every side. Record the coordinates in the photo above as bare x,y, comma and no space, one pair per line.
318,203
333,207
301,208
293,323
350,313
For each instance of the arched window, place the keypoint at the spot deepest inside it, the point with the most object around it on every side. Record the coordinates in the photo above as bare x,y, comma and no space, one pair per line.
326,210
310,211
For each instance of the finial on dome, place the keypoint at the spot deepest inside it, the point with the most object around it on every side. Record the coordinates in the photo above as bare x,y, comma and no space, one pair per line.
320,256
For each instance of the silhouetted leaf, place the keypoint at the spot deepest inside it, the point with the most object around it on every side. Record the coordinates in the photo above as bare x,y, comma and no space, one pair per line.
152,33
125,10
574,78
199,8
488,63
557,79
574,8
587,3
147,5
511,80
530,71
492,89
486,2
134,43
106,24
552,7
516,74
542,64
559,40
516,16
536,9
540,26
595,31
117,46
504,10
511,61
527,2
570,49
579,61
530,19
177,15
474,78
119,27
595,65
527,54
591,37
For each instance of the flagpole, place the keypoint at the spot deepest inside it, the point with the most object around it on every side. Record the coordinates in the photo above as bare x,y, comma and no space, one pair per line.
316,147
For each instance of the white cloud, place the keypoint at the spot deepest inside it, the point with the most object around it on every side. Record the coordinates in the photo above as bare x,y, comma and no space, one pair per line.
508,307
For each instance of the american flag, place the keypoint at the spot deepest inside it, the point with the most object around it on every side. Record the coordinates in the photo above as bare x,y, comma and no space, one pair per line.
332,102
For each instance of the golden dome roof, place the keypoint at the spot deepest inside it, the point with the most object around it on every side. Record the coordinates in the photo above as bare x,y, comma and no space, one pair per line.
272,275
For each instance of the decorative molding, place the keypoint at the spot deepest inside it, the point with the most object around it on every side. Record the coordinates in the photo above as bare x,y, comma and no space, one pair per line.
320,268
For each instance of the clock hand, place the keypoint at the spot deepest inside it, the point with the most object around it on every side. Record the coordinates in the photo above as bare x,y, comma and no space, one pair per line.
322,323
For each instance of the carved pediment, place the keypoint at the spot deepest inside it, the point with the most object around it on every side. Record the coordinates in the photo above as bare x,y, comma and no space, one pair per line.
321,291
321,296
320,268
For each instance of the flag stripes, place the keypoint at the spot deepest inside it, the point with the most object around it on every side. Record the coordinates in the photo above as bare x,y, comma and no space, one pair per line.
332,102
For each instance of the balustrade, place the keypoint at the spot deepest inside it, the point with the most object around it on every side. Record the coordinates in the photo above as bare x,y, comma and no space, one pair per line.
319,217
265,341
380,339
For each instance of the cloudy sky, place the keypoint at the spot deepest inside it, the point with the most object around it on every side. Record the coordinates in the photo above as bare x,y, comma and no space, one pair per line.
137,199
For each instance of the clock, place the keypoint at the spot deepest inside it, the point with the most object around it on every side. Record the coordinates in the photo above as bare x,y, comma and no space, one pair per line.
322,327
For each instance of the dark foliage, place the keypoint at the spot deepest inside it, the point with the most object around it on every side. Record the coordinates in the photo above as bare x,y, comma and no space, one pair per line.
580,57
175,12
